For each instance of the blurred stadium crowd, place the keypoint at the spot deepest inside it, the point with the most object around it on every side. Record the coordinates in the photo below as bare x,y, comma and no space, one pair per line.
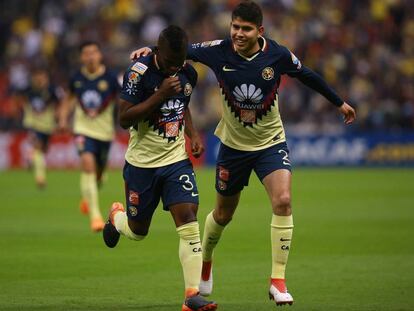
363,48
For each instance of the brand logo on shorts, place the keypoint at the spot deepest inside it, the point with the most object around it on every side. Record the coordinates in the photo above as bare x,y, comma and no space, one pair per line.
133,211
133,197
224,174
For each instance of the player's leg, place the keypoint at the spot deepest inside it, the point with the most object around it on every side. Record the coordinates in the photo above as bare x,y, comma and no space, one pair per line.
180,197
184,215
142,193
273,168
101,161
88,148
214,225
232,174
39,142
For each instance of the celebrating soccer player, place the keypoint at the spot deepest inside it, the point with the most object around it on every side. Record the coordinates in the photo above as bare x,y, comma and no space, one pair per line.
93,90
248,67
154,106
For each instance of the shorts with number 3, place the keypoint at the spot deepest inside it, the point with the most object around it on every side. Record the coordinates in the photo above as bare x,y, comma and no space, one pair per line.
144,187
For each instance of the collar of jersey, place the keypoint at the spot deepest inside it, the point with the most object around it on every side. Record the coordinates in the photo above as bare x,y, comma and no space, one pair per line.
93,76
262,42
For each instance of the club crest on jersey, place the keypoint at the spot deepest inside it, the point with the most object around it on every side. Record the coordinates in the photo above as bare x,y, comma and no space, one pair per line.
139,67
77,84
133,211
268,73
103,85
188,89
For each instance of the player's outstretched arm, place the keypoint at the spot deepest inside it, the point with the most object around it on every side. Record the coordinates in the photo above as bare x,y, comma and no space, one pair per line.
140,53
348,113
197,147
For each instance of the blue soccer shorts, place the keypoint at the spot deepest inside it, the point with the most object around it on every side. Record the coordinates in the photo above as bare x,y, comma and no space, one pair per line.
41,137
144,187
233,167
99,148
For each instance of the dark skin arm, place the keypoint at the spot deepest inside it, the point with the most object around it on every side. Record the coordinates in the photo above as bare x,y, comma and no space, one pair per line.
130,114
197,147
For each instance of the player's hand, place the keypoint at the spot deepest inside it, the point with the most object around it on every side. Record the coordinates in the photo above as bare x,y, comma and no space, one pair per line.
170,87
348,112
197,147
140,52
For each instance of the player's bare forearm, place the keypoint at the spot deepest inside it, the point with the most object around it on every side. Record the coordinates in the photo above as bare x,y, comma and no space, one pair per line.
65,108
130,114
197,147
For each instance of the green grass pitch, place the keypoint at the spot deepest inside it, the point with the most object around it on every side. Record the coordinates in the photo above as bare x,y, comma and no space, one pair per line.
353,246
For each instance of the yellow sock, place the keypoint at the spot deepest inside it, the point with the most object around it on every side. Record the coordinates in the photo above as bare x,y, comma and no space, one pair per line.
89,191
281,236
211,236
121,225
190,254
39,165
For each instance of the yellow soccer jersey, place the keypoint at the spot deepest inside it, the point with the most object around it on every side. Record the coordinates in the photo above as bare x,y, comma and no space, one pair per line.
249,86
158,140
39,109
94,112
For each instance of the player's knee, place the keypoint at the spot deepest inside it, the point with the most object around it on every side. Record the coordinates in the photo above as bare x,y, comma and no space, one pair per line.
281,201
222,217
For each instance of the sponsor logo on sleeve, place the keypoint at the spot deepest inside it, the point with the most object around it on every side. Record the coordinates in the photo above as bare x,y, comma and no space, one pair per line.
139,67
296,61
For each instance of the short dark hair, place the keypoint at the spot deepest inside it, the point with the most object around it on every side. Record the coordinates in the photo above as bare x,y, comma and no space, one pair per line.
175,38
88,43
248,11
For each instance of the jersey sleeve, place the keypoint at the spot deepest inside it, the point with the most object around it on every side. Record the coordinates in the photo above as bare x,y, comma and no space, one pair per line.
205,52
132,86
293,67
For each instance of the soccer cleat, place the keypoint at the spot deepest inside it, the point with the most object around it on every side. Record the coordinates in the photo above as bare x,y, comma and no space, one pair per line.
110,234
278,292
198,303
84,207
97,224
206,282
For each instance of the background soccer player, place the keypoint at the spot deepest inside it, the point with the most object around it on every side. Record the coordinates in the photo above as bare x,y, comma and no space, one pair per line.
92,96
41,102
154,106
248,67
